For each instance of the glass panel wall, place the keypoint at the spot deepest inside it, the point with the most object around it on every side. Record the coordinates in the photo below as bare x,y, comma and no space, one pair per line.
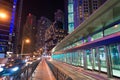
64,57
81,59
70,59
76,58
103,63
95,59
115,58
78,62
114,29
97,36
89,59
67,58
73,58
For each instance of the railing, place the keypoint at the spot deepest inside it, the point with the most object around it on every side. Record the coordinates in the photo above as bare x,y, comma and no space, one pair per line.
59,75
24,73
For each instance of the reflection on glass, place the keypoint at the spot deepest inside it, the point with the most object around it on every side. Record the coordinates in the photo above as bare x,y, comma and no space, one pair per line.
103,63
73,58
89,59
80,58
96,59
97,36
76,58
113,29
69,58
115,59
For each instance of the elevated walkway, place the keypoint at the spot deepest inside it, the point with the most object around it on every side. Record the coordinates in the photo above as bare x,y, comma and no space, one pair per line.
63,71
75,73
42,72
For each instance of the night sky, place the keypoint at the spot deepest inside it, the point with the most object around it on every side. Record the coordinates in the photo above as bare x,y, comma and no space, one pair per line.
42,8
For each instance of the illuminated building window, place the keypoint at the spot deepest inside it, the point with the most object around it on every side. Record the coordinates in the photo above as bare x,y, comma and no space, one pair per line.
71,27
70,16
70,1
70,8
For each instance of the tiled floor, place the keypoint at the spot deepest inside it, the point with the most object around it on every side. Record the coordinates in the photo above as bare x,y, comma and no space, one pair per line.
42,72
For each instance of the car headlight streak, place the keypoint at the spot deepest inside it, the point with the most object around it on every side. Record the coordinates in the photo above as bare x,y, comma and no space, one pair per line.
15,68
1,69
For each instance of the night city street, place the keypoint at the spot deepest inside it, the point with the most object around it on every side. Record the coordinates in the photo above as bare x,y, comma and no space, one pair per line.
59,39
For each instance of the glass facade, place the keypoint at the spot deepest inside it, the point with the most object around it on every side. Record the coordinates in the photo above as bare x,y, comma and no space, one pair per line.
115,58
70,16
70,8
70,19
71,28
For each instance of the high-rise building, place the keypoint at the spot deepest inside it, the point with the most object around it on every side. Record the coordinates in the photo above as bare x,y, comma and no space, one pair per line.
42,25
29,31
55,33
13,10
80,10
59,16
5,18
84,9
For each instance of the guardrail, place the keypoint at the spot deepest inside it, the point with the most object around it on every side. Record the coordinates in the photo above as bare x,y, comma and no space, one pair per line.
59,75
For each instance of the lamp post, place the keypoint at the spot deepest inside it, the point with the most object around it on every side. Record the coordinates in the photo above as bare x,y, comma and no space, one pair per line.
23,42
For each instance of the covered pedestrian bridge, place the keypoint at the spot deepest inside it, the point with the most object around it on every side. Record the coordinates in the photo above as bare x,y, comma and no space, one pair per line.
95,43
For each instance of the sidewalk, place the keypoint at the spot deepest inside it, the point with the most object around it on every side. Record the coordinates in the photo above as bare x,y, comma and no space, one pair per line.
42,72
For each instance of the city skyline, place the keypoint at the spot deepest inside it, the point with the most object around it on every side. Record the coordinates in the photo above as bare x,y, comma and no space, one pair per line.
44,8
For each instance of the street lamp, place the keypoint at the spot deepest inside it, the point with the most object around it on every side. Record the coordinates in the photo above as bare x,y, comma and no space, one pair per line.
23,42
3,15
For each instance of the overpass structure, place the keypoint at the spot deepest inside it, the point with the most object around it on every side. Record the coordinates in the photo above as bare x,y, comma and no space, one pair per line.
95,44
